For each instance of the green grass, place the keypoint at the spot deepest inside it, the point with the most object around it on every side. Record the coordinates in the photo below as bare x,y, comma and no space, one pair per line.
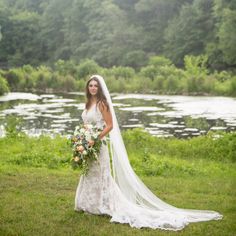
38,186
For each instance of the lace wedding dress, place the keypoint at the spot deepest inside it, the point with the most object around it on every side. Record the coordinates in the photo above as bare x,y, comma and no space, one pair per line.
100,193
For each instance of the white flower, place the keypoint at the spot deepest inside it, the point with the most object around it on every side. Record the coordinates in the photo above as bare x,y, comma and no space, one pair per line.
88,137
82,130
85,152
90,126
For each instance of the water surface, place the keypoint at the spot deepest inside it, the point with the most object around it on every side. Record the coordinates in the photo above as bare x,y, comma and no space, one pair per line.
160,115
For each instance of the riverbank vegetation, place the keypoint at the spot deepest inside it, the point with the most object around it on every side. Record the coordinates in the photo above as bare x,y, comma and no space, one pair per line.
159,76
38,183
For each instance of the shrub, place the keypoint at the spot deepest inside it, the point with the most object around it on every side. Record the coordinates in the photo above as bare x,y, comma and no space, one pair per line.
158,61
87,68
232,88
135,59
149,72
66,67
122,72
66,83
3,86
13,77
43,78
196,65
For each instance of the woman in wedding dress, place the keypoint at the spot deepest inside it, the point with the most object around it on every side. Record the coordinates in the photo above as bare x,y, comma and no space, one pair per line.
120,193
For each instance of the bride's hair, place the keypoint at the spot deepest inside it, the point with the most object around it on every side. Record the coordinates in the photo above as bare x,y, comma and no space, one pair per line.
100,95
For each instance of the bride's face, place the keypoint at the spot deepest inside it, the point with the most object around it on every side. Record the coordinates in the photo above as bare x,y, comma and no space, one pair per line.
93,87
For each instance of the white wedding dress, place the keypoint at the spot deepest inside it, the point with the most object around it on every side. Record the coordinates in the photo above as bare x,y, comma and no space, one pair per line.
100,193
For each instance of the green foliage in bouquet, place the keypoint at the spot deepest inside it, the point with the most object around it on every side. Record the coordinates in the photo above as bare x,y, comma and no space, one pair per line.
83,152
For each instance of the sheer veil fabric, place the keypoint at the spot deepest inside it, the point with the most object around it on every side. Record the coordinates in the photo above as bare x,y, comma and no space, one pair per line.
134,190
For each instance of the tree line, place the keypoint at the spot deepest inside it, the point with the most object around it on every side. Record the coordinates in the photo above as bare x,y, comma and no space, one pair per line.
117,32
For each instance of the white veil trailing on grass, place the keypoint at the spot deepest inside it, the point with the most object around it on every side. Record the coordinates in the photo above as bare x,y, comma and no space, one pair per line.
130,184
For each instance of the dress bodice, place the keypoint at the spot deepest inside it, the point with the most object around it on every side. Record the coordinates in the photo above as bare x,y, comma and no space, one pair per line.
93,116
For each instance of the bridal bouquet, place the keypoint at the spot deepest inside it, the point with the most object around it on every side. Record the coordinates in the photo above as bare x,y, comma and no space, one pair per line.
83,152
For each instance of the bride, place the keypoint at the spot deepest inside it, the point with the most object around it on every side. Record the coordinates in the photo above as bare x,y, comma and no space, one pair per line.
121,194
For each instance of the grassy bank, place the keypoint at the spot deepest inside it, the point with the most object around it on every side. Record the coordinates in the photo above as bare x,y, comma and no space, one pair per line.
38,186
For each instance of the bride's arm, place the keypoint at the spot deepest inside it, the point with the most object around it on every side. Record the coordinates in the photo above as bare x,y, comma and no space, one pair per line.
107,118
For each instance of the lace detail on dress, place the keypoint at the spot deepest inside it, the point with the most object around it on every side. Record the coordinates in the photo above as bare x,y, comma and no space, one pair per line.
93,115
92,194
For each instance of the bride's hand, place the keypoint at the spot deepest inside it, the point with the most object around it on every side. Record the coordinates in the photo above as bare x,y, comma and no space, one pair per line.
91,143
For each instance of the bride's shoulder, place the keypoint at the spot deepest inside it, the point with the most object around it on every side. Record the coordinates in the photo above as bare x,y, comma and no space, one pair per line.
102,106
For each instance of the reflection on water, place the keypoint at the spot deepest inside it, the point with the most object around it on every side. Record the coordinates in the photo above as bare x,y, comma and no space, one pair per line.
180,116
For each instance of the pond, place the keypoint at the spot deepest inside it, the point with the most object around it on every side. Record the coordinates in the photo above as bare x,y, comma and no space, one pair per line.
160,115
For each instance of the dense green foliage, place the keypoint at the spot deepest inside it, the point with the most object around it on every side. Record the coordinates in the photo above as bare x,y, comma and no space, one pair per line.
38,184
152,156
4,88
160,75
117,32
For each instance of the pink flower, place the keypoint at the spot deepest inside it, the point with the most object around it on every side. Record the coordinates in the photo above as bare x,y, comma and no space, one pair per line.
80,148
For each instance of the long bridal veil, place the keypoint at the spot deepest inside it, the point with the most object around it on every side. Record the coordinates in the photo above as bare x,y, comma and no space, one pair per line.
130,184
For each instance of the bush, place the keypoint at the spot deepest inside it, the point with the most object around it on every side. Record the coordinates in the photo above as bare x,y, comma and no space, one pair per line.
159,61
171,85
43,78
196,65
232,88
222,76
149,72
135,59
222,88
115,85
158,76
80,85
3,86
66,67
121,72
13,77
158,83
67,83
87,68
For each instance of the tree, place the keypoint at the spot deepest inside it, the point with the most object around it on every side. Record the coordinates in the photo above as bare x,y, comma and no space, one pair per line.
53,30
19,44
4,24
153,16
227,36
95,30
116,32
189,32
